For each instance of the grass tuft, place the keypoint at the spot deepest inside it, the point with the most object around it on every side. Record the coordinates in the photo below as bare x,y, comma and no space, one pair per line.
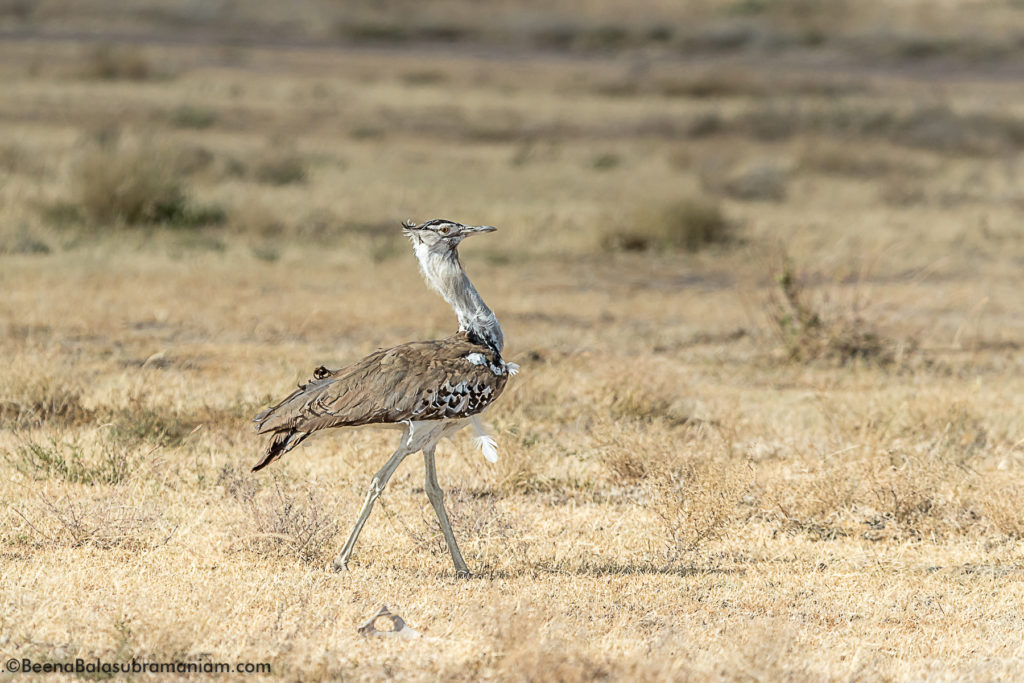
606,161
23,241
281,169
68,462
813,328
696,501
292,521
42,400
117,62
688,225
103,521
192,117
138,185
764,181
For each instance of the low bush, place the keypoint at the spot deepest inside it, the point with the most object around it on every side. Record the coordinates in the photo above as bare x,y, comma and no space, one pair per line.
117,62
688,225
281,169
814,328
138,185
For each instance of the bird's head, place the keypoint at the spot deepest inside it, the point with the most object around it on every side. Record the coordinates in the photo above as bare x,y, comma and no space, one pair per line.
440,235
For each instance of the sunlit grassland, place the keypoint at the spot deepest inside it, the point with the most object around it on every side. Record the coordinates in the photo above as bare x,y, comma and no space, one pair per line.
769,418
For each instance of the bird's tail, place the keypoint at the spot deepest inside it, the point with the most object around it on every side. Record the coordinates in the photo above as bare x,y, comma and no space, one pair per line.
281,419
279,445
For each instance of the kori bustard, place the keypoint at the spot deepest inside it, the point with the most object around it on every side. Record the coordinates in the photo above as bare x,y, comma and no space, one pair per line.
430,389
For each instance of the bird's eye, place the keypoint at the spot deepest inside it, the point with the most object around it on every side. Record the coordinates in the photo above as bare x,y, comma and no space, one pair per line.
444,229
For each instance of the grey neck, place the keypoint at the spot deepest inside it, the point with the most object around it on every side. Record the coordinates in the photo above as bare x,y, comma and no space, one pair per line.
444,273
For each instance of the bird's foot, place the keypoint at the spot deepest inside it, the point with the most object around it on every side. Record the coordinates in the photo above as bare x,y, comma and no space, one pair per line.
340,565
463,574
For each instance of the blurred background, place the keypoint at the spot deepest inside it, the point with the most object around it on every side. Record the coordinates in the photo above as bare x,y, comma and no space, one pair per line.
584,128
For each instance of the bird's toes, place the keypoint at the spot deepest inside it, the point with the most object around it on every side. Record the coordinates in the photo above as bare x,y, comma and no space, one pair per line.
463,574
339,565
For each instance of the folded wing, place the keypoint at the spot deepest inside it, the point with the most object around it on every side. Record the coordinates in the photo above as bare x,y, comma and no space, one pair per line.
430,380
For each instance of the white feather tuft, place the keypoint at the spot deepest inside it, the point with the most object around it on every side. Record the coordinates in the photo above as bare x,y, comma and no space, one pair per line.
488,446
483,440
513,369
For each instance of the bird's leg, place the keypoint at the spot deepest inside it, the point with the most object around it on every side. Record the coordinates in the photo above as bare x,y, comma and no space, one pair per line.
377,484
436,497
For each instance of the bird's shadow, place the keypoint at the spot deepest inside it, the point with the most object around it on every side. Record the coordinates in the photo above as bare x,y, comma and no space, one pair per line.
602,567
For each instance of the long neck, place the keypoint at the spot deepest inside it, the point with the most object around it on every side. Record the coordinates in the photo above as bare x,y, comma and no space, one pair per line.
444,273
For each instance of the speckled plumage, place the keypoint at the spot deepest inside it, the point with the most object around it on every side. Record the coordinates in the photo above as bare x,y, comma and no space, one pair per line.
424,380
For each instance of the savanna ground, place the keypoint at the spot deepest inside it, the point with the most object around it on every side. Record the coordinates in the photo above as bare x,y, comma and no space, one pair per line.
761,264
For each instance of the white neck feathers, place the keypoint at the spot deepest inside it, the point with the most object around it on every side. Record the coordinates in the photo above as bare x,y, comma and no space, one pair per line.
445,275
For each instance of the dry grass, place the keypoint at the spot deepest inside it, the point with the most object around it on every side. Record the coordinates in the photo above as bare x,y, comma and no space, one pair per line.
35,400
295,524
712,466
66,462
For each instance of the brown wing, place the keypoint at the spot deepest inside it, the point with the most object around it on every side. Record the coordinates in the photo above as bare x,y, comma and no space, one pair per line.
430,380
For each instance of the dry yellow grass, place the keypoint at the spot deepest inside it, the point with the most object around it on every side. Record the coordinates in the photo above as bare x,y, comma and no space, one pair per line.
697,480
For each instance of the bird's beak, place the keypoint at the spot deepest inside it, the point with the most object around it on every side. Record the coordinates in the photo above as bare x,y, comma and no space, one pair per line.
474,229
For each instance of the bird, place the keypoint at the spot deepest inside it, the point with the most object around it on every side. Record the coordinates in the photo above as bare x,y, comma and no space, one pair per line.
428,389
